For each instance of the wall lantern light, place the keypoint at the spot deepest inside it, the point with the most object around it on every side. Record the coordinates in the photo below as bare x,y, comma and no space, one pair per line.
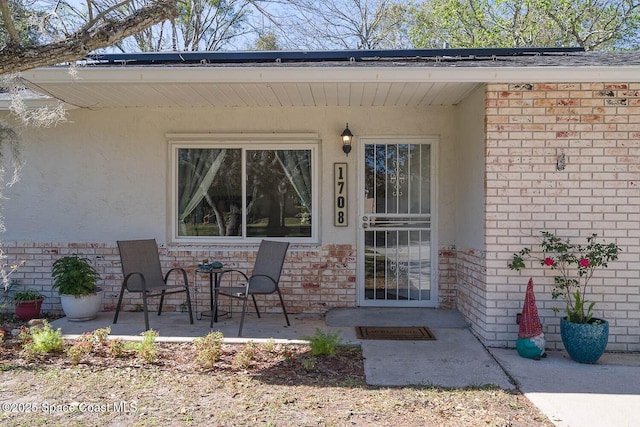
347,137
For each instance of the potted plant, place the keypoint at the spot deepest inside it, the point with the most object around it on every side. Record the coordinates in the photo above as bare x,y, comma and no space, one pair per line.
584,336
75,280
28,304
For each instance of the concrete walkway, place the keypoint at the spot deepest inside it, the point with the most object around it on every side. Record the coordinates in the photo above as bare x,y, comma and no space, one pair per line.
572,394
569,393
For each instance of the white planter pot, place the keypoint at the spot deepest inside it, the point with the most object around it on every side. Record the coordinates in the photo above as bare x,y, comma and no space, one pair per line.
81,308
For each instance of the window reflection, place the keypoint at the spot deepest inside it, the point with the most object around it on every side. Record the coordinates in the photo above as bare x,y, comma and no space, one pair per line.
278,199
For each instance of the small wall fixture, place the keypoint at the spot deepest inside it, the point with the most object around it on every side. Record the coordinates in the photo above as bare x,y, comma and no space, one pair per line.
561,162
347,137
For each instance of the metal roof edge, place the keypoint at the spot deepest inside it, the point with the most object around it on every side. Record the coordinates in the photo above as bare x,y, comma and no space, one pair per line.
216,57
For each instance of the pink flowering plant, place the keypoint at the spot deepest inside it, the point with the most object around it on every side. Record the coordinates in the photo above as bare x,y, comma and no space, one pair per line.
575,265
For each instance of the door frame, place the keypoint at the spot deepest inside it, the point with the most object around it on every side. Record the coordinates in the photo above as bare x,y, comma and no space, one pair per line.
433,141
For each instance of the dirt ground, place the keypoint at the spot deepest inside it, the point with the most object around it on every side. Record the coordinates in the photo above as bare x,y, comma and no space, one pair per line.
271,384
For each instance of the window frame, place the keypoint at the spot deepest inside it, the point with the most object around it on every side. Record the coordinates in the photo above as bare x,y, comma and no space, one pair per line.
298,141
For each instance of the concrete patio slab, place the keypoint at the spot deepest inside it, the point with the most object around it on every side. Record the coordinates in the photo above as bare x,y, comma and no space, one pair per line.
455,359
175,327
395,316
578,395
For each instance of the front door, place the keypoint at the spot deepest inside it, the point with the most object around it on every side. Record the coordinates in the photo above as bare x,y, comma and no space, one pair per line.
397,247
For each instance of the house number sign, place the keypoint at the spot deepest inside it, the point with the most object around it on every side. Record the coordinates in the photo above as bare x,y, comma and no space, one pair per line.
340,194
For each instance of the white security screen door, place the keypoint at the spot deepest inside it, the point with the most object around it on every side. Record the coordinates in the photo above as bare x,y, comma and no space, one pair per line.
397,250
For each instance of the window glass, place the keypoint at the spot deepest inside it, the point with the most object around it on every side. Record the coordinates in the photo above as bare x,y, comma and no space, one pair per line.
243,193
279,193
209,192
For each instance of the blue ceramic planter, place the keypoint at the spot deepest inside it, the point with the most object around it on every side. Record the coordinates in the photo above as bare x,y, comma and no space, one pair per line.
585,342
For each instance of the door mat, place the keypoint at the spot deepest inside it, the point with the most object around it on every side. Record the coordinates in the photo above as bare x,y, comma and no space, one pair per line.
413,333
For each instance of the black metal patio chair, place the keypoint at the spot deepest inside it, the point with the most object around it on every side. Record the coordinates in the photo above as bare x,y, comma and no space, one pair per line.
143,274
264,280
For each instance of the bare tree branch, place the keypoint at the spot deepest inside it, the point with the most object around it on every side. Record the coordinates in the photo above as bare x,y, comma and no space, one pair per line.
15,57
8,22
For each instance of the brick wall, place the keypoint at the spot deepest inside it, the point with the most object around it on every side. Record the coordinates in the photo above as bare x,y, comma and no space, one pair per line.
472,290
597,127
313,280
447,278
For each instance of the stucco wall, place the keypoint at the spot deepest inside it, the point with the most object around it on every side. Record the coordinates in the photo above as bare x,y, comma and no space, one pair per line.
103,176
470,167
471,285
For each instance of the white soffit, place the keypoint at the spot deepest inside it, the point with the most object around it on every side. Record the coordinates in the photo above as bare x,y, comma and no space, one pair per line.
280,86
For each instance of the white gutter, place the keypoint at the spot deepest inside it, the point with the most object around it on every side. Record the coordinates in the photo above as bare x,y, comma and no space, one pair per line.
321,74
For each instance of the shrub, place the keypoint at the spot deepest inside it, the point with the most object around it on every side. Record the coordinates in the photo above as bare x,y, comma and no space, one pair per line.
116,348
209,349
244,358
574,264
324,343
102,336
80,348
40,340
146,348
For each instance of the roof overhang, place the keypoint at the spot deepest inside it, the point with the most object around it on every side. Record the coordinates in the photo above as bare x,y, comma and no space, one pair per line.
399,82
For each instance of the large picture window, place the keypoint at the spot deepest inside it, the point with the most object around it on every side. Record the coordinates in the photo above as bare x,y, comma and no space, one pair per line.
230,191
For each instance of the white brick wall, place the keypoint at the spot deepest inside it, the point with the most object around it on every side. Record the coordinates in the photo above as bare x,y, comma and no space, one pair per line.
597,127
313,280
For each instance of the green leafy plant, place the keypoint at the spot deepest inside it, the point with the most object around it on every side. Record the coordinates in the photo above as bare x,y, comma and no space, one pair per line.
27,295
73,275
146,348
324,342
209,349
40,340
575,265
308,363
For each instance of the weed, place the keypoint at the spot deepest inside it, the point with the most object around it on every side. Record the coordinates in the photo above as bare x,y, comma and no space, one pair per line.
244,358
308,363
209,349
269,346
324,343
289,356
352,382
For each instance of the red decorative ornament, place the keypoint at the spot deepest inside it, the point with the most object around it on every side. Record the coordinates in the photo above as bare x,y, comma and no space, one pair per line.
530,325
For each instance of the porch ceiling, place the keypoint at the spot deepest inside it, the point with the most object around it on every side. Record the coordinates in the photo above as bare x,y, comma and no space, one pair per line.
193,93
406,94
388,84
